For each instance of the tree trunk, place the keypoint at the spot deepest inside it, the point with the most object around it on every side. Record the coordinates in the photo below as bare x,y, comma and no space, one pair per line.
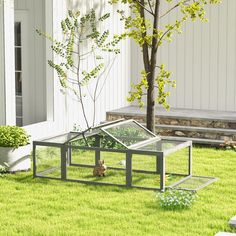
150,117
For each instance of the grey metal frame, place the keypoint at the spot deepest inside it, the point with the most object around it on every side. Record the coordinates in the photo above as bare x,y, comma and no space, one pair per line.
66,160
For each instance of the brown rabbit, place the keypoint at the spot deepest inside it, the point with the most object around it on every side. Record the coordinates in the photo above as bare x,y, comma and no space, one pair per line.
100,169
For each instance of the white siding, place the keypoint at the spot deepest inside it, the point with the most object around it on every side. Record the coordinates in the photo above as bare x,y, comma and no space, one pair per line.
202,60
116,88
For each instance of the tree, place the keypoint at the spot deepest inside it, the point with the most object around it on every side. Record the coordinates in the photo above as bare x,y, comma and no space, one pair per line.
83,39
143,26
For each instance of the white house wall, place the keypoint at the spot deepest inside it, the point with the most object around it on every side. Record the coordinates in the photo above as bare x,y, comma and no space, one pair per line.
202,60
118,83
2,91
7,63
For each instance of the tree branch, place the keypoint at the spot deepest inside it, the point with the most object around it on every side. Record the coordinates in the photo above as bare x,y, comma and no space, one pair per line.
142,5
164,34
80,92
145,45
150,6
172,8
154,39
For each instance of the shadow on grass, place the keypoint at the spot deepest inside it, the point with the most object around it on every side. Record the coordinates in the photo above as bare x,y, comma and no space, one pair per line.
27,178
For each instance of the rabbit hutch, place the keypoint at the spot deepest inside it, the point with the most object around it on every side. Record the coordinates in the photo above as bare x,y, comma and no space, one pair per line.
120,153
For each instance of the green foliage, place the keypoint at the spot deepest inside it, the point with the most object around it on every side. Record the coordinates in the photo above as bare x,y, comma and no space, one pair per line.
84,39
13,136
139,89
163,79
3,169
176,199
149,34
77,30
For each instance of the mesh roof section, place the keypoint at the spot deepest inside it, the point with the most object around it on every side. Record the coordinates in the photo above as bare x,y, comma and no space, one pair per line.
128,133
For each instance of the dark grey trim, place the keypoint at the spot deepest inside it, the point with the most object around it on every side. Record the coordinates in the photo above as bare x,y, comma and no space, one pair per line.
190,160
47,144
128,169
162,172
63,163
34,159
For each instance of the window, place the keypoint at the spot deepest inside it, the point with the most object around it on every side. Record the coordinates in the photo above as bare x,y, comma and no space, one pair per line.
18,74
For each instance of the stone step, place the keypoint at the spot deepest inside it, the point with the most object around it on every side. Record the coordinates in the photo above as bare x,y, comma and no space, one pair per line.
200,126
192,122
196,132
183,117
197,129
196,140
199,134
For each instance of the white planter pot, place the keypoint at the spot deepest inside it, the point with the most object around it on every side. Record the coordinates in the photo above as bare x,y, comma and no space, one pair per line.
17,159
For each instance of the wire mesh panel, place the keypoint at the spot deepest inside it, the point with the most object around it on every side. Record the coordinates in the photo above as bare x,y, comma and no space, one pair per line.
48,161
144,171
178,162
116,167
195,183
83,167
160,145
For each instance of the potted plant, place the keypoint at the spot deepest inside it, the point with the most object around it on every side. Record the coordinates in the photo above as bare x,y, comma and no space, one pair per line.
14,148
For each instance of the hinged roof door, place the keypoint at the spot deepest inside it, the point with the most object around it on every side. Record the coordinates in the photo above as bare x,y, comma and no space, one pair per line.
129,133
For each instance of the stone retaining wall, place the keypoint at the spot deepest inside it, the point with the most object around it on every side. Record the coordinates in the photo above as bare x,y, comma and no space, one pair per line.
203,123
182,122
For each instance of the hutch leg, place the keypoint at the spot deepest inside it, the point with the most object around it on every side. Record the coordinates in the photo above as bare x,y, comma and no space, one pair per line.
69,153
158,165
128,169
190,160
34,160
97,151
63,163
162,172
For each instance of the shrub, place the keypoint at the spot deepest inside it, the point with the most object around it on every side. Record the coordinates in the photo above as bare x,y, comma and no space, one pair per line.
13,136
3,169
176,199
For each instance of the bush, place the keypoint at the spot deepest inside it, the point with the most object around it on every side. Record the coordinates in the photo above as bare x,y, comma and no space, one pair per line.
176,199
13,136
3,169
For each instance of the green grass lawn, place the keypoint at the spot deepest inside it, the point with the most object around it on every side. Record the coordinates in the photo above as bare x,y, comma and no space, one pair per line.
49,207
